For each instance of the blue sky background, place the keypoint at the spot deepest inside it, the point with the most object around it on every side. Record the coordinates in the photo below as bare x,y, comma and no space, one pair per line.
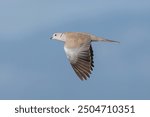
34,67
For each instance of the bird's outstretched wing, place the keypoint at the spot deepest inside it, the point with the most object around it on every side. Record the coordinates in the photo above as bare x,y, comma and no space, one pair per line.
81,60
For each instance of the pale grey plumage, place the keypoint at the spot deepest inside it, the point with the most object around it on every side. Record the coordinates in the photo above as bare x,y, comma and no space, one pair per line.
77,46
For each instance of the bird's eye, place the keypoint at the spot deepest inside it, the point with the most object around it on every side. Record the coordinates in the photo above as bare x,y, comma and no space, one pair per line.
55,35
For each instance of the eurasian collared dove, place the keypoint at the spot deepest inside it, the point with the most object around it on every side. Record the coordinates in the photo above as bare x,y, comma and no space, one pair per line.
77,46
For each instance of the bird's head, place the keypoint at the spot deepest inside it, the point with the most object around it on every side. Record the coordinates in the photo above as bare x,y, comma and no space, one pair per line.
58,36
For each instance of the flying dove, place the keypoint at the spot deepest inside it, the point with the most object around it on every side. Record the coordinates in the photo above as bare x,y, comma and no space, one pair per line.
77,46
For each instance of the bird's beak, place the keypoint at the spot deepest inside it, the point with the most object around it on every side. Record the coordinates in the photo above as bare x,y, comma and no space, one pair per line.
51,38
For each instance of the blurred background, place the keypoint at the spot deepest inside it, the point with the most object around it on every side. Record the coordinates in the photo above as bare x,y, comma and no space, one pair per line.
34,67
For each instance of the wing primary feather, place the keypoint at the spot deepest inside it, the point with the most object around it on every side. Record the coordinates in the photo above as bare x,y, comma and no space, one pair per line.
82,76
84,69
77,72
81,72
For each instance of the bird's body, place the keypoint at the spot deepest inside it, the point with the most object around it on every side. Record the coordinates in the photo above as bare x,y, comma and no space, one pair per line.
74,40
77,46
